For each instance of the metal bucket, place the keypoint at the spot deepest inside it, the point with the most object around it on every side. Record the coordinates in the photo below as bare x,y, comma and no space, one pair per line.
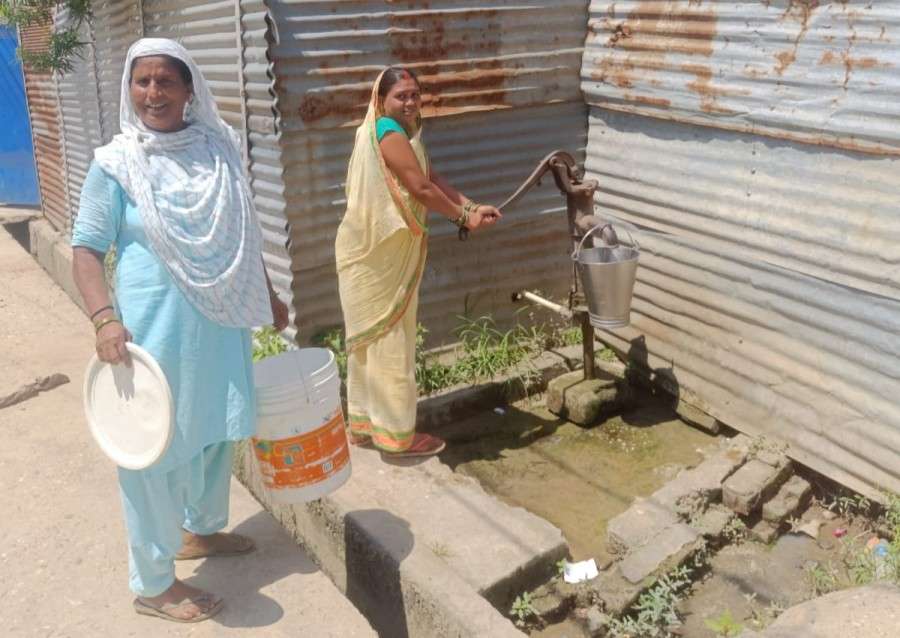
607,277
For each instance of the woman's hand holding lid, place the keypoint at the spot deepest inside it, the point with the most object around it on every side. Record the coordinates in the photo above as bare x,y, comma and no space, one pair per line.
111,338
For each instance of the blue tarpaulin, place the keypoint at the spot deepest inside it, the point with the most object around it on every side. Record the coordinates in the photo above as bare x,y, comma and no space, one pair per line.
18,182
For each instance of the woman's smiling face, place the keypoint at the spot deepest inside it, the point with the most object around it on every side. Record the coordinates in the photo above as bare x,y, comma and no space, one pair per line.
403,102
159,93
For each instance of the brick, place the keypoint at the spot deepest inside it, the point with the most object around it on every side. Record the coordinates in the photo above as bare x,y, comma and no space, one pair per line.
764,532
751,484
705,479
712,523
789,500
661,553
772,457
638,524
614,592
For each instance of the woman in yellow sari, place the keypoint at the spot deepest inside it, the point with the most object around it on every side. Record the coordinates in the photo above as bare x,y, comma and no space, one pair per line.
380,248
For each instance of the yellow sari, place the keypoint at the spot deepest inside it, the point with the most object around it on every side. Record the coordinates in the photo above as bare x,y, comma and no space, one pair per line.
380,252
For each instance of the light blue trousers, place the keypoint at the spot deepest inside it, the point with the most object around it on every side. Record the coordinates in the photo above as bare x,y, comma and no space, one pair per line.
158,506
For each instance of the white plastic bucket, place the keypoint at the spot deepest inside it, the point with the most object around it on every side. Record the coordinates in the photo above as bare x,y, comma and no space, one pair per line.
301,444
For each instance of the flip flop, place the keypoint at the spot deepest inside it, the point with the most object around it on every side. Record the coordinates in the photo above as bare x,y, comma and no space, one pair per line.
422,445
165,610
245,545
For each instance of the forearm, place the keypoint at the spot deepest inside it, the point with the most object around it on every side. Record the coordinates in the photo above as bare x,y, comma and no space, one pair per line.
90,277
452,194
434,198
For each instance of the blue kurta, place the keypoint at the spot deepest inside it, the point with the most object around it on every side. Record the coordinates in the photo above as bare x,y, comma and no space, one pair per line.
209,367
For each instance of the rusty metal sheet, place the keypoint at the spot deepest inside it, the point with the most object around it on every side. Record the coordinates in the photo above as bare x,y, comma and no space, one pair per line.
49,158
768,293
818,72
501,90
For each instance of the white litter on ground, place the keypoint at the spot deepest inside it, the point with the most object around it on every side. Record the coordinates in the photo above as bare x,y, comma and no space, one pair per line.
580,572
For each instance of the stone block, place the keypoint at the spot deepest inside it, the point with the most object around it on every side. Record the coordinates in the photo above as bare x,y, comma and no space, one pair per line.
712,523
697,417
661,553
614,593
764,532
775,458
751,484
705,479
585,401
597,622
635,526
789,500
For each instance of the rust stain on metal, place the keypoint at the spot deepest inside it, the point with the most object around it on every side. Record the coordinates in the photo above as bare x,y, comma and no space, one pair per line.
703,87
648,100
640,43
799,11
419,39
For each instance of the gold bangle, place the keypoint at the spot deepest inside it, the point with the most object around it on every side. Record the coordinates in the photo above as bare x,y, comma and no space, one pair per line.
99,324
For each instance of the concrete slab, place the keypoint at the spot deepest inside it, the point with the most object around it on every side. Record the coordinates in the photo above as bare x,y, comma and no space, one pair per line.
634,527
663,552
63,557
18,214
872,611
423,545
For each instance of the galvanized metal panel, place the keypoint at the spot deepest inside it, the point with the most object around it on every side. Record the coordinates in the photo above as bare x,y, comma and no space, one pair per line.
265,156
49,158
209,30
768,292
810,71
506,72
79,115
117,24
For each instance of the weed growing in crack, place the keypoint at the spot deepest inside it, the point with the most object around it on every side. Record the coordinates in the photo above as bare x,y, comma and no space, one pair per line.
523,609
724,624
655,614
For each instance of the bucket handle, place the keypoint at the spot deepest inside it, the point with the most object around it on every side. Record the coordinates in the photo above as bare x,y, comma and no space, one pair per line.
601,227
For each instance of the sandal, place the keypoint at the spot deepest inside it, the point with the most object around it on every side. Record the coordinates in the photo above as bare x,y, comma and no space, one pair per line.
236,544
166,610
422,445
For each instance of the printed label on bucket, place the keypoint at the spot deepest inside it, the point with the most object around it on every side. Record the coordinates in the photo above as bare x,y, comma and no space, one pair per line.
306,459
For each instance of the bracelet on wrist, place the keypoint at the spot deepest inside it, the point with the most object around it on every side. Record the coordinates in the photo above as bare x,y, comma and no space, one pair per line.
98,325
99,310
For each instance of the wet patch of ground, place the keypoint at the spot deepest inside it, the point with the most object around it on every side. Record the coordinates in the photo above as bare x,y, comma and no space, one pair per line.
576,478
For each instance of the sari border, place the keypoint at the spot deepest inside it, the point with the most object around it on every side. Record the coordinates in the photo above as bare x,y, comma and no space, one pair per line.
415,225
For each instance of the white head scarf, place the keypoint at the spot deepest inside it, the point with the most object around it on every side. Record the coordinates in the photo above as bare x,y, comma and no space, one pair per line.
194,200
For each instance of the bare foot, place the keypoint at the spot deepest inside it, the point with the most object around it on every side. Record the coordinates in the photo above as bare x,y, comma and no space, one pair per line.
182,602
218,544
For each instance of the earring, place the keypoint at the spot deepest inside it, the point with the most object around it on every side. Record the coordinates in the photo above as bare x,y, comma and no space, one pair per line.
188,114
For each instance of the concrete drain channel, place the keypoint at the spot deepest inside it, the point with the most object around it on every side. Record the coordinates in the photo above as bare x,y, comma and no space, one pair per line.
445,546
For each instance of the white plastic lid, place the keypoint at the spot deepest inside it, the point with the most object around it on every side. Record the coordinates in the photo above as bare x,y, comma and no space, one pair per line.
129,409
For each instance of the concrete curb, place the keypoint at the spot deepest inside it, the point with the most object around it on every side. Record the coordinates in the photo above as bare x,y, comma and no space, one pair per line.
53,252
401,586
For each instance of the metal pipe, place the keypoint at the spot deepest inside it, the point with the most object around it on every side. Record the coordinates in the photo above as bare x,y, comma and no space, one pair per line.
555,307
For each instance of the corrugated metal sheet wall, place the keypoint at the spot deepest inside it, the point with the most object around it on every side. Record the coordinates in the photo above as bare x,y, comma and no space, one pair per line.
507,74
768,290
265,160
44,112
79,116
117,24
